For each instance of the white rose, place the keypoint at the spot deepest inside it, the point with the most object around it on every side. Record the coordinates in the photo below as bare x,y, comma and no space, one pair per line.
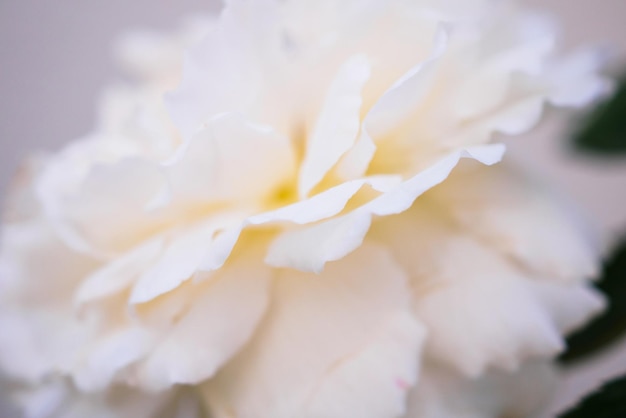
310,225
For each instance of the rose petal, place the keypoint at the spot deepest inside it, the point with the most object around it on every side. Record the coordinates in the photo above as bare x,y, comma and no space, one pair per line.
397,103
39,328
480,303
108,211
354,163
231,159
486,87
518,217
324,204
110,355
202,340
575,80
310,248
337,125
401,198
227,70
201,247
347,390
319,331
119,274
441,393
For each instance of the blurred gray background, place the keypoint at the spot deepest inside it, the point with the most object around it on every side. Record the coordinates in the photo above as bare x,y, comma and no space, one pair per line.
55,56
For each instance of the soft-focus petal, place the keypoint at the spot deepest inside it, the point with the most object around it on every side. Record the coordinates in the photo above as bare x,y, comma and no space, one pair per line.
402,197
337,125
108,212
202,340
188,252
575,80
227,70
156,56
111,354
58,399
406,93
441,393
483,303
516,216
309,248
120,273
172,251
325,204
39,331
231,158
318,336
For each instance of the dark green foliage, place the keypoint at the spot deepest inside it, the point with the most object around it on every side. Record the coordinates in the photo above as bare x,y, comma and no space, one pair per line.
604,131
608,402
612,323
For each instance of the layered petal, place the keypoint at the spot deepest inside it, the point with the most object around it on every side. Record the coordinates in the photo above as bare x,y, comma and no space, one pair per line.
37,275
310,247
441,393
201,341
185,254
180,337
338,124
313,351
309,219
231,159
471,294
518,217
229,70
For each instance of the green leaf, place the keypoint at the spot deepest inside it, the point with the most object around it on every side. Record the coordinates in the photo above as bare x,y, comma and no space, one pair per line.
611,325
604,130
608,402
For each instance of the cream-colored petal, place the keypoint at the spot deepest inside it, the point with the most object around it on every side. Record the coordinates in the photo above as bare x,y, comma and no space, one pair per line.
108,211
324,204
511,118
32,250
517,216
311,247
337,125
355,162
217,323
486,88
405,94
204,246
118,274
179,261
57,398
99,167
231,159
347,390
317,326
480,313
402,197
228,70
481,310
570,306
39,330
38,342
110,355
441,393
575,81
321,206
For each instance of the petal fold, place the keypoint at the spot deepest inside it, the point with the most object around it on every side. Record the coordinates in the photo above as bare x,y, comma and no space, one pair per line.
337,125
